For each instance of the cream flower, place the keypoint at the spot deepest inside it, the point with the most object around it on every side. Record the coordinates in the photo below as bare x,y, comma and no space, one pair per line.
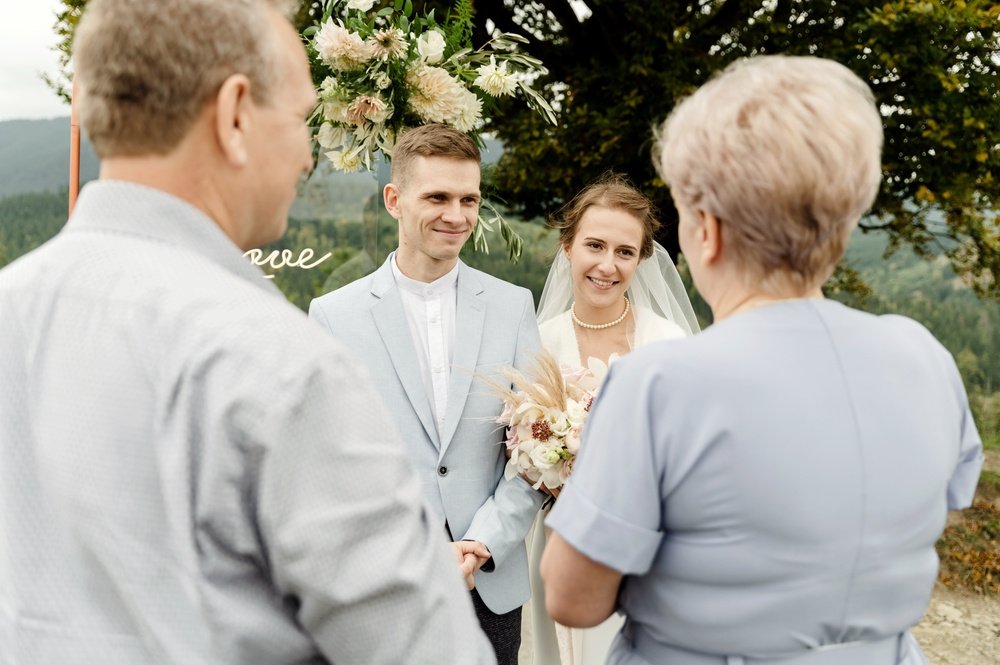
335,110
388,44
545,456
360,5
470,112
330,137
386,140
347,161
573,440
340,48
494,79
382,81
367,108
437,97
430,46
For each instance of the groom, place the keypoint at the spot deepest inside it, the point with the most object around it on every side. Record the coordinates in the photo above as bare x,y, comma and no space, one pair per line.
430,329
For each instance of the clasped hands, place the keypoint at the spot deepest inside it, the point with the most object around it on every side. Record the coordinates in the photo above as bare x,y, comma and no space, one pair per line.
470,555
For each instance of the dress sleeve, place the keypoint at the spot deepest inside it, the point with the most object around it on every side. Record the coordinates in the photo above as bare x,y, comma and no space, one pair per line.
610,509
962,486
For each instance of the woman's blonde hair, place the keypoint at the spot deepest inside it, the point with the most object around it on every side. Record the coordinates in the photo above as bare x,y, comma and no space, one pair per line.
785,152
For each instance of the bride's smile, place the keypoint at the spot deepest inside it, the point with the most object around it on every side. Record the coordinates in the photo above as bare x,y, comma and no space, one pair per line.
603,256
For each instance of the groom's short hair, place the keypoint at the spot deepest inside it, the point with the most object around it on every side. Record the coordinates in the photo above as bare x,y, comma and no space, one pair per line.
146,69
433,140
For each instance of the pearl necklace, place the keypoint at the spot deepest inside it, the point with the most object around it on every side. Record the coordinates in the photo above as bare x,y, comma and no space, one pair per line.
598,326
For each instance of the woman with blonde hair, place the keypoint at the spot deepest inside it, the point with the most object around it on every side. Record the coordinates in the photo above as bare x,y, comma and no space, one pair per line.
769,491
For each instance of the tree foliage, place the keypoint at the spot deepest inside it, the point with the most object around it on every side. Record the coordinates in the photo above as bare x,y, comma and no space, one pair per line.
934,66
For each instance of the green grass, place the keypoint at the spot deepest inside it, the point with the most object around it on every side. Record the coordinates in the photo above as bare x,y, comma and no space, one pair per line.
989,486
991,441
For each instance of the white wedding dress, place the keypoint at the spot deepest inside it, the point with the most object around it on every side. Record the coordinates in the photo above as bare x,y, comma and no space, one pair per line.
544,642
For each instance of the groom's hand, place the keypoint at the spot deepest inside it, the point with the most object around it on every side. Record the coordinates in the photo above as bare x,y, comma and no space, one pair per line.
470,555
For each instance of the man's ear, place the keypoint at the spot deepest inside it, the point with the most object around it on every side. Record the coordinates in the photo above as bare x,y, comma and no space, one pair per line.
233,118
390,196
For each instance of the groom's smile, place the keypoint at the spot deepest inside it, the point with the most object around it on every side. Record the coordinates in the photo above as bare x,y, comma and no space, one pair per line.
437,206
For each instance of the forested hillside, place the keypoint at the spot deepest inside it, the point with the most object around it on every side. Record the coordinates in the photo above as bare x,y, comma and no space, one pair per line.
34,156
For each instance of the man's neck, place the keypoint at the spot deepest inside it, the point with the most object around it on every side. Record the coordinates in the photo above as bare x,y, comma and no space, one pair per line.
423,268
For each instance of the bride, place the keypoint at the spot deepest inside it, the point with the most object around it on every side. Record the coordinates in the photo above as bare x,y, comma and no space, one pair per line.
610,289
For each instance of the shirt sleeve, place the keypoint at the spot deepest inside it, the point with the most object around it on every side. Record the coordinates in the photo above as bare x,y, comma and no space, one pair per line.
348,536
610,509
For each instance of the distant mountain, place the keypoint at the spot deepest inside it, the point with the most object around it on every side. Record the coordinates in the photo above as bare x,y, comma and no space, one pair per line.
34,156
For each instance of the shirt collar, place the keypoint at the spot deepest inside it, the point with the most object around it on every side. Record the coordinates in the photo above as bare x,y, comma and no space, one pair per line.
131,209
442,285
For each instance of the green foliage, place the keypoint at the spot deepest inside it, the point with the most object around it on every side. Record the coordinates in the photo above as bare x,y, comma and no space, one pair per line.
927,289
28,220
460,26
933,67
66,21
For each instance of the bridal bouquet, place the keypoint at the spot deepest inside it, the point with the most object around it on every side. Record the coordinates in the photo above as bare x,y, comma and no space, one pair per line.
380,71
544,414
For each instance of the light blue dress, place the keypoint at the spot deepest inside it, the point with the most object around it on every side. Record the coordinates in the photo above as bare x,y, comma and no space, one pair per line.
773,485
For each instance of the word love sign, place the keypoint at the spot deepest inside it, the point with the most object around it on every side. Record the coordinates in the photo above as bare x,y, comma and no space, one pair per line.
285,258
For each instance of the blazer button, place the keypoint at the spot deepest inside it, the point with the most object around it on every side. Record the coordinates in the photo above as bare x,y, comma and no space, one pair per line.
442,471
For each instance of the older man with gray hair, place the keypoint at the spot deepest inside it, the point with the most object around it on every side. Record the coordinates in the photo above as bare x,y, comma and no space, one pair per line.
192,471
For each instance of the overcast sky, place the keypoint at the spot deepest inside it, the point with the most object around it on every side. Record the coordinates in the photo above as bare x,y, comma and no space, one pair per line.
26,41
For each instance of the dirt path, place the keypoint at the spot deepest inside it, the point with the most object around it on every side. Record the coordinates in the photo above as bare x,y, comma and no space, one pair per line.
960,629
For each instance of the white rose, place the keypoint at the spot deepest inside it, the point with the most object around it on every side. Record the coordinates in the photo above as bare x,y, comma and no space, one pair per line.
545,455
430,46
575,413
361,5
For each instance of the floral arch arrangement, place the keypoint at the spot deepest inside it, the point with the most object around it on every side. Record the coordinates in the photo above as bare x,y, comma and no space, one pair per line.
382,70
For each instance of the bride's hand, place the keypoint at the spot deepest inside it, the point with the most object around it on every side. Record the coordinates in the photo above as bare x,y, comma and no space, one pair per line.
551,491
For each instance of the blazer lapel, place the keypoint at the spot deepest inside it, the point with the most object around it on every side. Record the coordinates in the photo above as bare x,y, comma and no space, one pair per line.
394,329
470,316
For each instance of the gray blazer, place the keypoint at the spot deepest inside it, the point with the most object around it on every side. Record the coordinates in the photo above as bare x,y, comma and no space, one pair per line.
461,467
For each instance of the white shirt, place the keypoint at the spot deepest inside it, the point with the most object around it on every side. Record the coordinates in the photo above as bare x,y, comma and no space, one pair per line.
192,472
430,311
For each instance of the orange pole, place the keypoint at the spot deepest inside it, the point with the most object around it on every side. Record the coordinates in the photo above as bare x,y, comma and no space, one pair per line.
74,151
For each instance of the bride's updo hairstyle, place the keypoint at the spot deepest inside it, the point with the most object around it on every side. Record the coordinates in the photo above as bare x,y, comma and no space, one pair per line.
609,191
785,152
